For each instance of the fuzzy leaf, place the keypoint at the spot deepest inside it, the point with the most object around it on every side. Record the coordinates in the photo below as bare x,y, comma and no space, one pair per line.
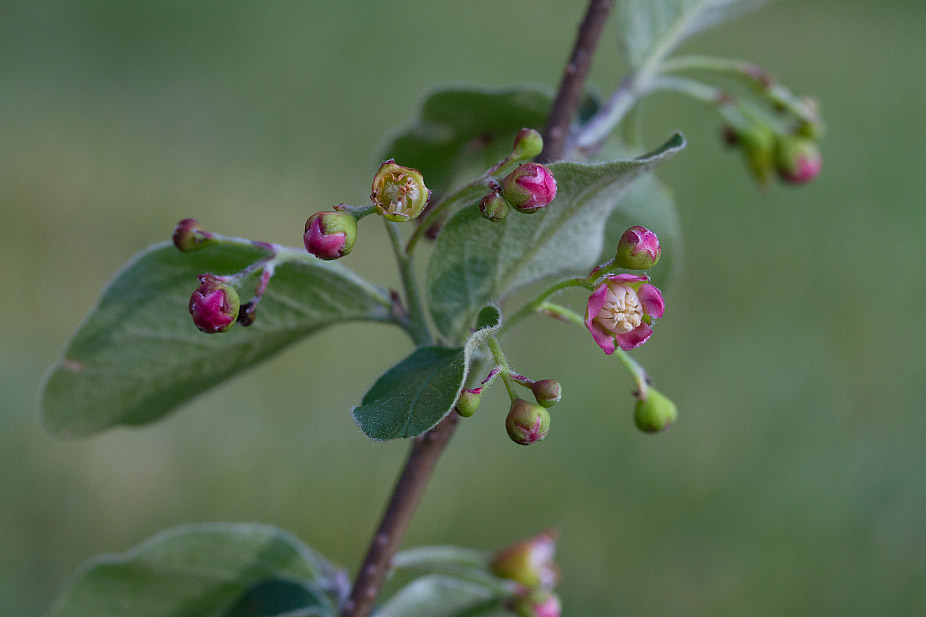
651,29
202,570
278,597
416,394
138,355
476,261
443,596
461,124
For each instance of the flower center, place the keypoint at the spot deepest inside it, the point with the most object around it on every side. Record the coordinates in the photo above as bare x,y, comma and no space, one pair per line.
622,311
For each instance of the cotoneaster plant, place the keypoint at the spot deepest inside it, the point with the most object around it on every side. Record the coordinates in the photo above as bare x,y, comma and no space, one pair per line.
182,317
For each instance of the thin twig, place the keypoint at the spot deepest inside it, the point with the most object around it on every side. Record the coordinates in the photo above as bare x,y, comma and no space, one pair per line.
405,497
573,82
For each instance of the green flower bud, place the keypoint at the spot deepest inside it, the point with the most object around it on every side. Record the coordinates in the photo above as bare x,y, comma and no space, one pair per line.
758,143
399,192
330,235
468,402
527,144
528,561
189,235
655,412
547,392
493,207
797,159
527,423
537,603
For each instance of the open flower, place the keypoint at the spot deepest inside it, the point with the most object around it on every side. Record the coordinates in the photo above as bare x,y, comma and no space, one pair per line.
621,310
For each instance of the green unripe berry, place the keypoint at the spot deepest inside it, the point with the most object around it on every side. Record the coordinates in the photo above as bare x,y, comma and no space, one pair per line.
527,144
468,402
655,412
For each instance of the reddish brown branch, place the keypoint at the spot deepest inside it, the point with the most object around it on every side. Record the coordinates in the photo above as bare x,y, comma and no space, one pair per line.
405,497
570,88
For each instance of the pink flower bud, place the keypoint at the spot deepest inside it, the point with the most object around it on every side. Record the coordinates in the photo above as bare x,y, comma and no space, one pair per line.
547,392
399,192
538,603
214,305
621,310
189,235
638,249
529,561
493,207
527,144
654,412
527,422
330,235
529,188
798,159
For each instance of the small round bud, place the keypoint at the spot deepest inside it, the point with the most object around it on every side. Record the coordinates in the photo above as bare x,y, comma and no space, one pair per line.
214,305
797,159
493,207
247,313
330,235
527,422
399,192
547,392
758,145
538,603
189,235
527,144
529,188
468,402
528,561
638,249
655,412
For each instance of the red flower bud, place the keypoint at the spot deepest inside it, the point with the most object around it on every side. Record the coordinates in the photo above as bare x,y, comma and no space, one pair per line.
547,392
638,249
330,235
529,188
189,235
214,305
797,159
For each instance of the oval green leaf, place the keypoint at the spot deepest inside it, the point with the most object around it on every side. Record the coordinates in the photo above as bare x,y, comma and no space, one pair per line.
138,355
203,570
476,262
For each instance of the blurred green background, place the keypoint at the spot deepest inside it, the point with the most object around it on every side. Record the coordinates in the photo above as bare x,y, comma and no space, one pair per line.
795,479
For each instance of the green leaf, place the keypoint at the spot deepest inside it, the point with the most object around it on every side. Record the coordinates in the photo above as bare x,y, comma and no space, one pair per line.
443,596
652,29
202,570
416,394
476,261
138,355
277,597
462,125
648,202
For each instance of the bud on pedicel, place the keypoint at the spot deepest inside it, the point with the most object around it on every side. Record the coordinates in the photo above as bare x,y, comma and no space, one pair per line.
529,188
538,603
529,561
189,235
468,402
547,392
399,192
493,207
527,144
527,422
247,313
758,143
638,249
214,305
797,159
655,412
330,235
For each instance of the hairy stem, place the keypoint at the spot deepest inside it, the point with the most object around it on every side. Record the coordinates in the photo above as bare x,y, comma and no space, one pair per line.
427,448
573,82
